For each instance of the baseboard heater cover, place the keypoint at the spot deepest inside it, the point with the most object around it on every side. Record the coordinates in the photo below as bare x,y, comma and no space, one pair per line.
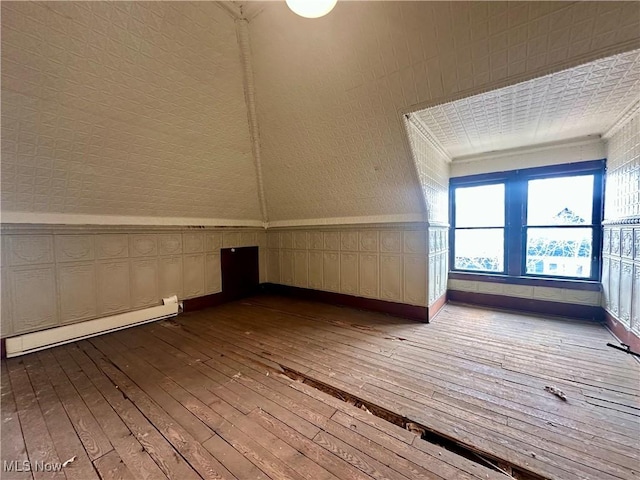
32,342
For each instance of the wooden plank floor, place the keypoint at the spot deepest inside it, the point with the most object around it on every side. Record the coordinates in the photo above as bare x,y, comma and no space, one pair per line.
199,396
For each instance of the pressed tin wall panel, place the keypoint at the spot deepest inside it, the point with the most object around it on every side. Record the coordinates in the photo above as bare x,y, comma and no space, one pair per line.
635,300
415,279
193,274
391,277
171,276
300,240
386,262
37,249
143,245
390,242
331,271
286,267
300,268
438,246
213,275
6,325
433,168
194,242
144,282
621,252
60,275
33,298
369,277
112,246
213,241
77,292
349,241
316,270
79,138
74,248
170,244
113,287
331,135
349,273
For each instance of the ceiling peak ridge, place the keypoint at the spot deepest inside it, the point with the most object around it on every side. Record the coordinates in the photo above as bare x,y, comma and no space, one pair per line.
428,135
231,8
241,10
244,44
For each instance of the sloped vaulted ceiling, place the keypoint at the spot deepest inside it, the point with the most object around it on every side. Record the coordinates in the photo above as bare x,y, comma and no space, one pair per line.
330,91
124,108
138,108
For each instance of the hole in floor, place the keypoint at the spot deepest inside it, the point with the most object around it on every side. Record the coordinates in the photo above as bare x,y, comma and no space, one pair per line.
451,444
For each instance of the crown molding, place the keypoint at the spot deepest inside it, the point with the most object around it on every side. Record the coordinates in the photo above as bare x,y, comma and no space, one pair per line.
428,135
622,120
510,152
338,221
79,219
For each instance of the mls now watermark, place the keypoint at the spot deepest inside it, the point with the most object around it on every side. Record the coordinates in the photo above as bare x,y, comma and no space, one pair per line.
28,466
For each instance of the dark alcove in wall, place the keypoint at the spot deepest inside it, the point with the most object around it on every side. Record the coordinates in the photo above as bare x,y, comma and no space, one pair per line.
240,272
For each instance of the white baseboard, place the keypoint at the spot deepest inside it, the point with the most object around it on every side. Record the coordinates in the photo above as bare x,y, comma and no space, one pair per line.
32,342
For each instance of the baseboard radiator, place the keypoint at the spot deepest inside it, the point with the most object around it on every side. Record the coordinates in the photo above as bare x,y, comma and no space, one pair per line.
32,342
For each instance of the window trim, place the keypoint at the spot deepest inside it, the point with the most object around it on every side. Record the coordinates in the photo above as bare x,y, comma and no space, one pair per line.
515,239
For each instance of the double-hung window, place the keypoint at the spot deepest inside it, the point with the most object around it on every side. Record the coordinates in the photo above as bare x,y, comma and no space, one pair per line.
538,222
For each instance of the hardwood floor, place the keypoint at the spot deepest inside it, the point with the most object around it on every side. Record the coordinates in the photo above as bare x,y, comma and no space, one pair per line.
201,396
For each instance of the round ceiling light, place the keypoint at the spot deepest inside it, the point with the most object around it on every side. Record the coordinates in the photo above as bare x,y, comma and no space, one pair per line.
311,8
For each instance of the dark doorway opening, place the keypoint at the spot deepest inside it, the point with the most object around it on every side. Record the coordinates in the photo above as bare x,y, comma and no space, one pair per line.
240,272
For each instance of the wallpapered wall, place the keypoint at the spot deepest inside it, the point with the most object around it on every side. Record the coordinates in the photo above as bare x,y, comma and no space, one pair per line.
63,275
621,243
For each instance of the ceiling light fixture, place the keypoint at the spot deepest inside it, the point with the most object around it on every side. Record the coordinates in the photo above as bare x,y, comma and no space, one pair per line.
311,8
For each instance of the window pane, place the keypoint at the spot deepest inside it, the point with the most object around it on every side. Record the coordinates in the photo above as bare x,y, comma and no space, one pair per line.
481,206
480,249
563,252
560,201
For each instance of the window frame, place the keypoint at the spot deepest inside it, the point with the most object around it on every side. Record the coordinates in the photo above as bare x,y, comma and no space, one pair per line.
481,182
516,227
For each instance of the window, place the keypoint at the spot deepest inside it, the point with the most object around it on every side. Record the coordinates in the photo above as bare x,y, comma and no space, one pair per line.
479,238
539,222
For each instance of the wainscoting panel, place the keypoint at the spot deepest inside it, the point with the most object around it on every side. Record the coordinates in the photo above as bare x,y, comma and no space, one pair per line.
33,298
384,262
144,282
113,287
193,275
170,244
59,275
369,277
301,266
77,292
621,234
170,274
